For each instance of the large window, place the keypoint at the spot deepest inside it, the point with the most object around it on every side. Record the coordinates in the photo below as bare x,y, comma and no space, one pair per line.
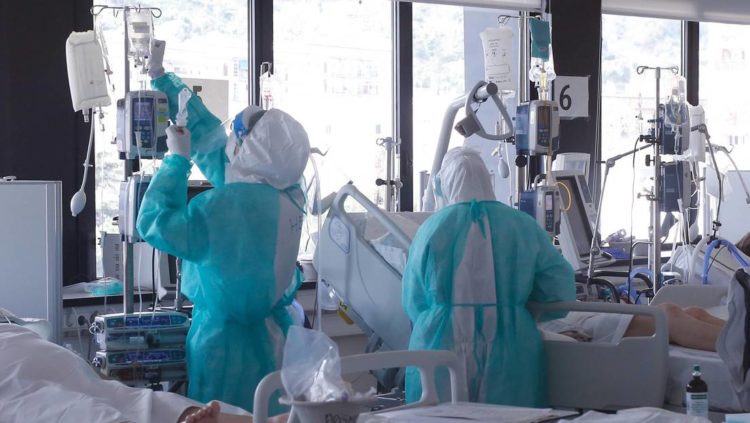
724,65
448,60
628,102
333,72
206,46
438,62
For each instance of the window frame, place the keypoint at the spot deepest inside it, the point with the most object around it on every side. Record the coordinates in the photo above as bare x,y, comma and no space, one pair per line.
260,49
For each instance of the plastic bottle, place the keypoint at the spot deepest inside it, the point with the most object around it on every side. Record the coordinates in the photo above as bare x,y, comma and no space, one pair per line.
696,395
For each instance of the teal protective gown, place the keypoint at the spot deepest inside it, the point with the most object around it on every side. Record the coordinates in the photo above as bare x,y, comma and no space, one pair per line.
238,242
472,268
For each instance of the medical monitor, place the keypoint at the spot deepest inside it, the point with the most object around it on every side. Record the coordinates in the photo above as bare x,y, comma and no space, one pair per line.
573,199
572,162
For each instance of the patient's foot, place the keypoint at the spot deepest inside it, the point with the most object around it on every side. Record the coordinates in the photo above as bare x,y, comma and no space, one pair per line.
206,414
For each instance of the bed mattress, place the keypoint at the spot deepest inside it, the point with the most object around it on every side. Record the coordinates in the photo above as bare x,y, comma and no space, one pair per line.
721,396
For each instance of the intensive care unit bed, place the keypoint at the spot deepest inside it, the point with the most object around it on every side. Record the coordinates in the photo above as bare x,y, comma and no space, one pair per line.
360,261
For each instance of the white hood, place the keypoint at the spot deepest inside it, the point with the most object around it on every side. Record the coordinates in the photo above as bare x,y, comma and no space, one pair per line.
462,177
274,152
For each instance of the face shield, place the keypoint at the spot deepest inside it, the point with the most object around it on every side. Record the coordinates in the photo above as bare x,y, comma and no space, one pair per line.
238,128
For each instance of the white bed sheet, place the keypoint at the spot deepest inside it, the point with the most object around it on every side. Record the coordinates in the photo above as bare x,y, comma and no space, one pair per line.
41,381
721,396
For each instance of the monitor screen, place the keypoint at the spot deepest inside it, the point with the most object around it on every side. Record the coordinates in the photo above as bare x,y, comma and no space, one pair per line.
143,110
574,210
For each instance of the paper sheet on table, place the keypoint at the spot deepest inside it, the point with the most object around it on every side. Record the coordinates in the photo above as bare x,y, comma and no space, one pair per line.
466,413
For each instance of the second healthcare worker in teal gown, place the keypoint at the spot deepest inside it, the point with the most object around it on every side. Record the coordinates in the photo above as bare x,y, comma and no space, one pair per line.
472,268
238,241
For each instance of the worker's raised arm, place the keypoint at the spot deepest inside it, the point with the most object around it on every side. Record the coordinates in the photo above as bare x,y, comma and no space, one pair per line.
208,135
165,221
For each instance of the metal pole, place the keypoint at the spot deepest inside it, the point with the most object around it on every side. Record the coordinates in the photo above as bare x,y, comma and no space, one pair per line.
655,258
178,289
706,206
127,282
390,177
595,249
524,47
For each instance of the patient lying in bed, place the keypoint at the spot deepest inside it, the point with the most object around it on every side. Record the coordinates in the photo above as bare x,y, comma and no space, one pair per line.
690,327
41,381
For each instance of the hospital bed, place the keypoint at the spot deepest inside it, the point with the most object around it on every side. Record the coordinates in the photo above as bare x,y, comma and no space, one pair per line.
681,360
637,369
360,260
41,327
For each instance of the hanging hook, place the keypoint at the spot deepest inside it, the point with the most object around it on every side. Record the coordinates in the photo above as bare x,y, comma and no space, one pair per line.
503,19
95,12
640,69
97,9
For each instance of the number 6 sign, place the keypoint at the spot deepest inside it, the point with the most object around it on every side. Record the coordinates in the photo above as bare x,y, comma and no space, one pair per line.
572,96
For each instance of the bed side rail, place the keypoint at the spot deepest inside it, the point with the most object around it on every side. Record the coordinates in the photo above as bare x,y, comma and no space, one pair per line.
350,190
607,376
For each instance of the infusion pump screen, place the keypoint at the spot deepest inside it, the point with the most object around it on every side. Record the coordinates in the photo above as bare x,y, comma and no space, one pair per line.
143,110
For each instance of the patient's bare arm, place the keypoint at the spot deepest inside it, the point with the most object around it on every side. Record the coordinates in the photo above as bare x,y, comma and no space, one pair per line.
211,413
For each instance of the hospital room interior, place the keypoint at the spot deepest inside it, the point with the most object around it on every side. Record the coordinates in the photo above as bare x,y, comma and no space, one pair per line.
374,211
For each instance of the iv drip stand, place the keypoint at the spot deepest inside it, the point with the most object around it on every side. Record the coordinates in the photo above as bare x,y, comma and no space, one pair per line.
654,258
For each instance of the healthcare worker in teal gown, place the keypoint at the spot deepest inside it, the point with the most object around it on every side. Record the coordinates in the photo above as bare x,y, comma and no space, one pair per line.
238,241
472,268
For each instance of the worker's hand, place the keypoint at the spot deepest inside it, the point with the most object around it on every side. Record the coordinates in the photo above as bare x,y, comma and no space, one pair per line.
178,141
155,58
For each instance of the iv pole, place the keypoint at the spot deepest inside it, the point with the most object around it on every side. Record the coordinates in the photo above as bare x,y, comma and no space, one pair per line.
127,247
595,247
655,226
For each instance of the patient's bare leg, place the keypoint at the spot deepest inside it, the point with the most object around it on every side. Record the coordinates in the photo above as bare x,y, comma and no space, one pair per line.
684,329
211,413
702,314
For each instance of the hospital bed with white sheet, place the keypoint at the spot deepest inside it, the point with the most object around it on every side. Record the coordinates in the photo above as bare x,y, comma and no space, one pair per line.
360,259
629,362
681,360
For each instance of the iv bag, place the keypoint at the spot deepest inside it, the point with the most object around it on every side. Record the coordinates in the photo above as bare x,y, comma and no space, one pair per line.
86,75
140,31
498,51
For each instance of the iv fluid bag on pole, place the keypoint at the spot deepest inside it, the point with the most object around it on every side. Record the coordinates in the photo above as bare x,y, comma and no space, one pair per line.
86,76
498,56
140,32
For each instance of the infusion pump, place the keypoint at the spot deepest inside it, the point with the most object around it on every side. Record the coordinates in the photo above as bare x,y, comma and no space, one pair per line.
142,121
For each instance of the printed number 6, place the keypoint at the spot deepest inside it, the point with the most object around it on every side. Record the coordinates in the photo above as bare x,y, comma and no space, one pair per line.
565,100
